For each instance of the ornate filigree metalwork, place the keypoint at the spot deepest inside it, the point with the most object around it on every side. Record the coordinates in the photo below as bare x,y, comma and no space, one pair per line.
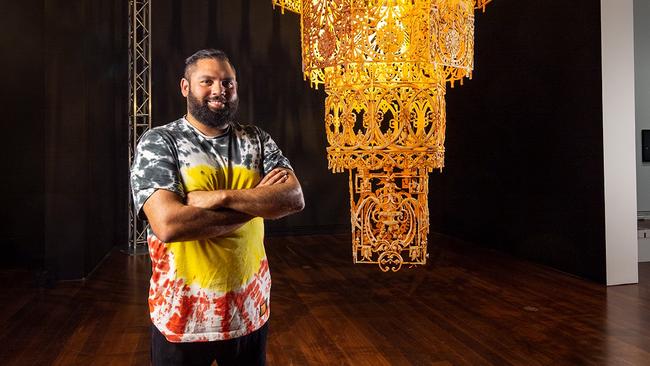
385,65
291,5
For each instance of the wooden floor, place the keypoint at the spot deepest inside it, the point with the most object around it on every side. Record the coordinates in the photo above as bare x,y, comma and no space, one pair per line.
466,307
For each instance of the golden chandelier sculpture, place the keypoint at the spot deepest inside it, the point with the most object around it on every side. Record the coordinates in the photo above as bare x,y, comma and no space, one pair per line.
385,65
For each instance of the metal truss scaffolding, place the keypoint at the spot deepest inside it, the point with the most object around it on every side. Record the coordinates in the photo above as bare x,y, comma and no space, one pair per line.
139,103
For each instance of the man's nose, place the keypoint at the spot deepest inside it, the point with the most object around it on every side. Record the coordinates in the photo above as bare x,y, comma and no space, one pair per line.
218,89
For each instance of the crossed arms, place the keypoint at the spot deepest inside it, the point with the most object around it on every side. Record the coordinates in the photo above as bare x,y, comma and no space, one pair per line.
208,214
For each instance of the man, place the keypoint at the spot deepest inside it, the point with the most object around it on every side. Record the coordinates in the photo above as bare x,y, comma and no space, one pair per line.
206,184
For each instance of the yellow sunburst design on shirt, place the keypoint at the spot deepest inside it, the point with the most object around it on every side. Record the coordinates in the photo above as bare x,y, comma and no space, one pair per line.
222,263
208,178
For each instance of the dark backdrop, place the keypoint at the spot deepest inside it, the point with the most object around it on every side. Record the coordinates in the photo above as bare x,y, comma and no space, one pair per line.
524,139
23,102
65,98
524,166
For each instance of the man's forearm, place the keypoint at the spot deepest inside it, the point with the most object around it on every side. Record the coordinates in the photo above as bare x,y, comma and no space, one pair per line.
171,220
269,202
277,195
191,223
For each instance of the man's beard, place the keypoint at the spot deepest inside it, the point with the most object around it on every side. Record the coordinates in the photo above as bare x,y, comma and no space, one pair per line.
217,119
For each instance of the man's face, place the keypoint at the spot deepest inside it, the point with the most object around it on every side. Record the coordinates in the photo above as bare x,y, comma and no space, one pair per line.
211,92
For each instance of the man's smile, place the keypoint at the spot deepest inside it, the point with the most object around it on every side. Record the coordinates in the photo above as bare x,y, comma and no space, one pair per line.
216,103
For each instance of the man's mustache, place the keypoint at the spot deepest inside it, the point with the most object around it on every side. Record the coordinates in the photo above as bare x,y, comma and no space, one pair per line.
217,99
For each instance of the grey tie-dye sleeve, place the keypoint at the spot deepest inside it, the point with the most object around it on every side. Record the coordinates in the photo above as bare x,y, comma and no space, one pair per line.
272,155
155,167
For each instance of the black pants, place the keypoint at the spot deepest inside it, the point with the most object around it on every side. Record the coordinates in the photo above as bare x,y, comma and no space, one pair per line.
247,350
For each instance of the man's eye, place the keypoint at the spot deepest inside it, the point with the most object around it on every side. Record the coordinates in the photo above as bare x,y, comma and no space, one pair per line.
206,82
227,83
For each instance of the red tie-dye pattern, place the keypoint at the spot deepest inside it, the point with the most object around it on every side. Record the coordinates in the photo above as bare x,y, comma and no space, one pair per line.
159,258
189,314
184,309
201,308
222,309
159,267
238,300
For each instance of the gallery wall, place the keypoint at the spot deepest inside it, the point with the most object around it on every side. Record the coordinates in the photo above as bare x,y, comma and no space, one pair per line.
617,25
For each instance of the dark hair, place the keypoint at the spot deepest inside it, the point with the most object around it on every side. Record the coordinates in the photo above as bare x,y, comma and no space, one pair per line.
203,54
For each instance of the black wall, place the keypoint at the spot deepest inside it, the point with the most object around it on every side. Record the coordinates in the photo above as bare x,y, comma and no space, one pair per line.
524,167
66,133
23,102
524,138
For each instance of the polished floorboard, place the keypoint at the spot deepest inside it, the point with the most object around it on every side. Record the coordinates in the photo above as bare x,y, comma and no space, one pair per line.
467,306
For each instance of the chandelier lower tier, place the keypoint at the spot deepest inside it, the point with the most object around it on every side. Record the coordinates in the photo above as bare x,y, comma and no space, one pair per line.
385,66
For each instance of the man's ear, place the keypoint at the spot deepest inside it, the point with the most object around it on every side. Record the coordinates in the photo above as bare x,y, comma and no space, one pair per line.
185,87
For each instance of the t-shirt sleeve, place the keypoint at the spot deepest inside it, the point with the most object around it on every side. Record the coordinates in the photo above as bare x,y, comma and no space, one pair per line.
272,155
154,167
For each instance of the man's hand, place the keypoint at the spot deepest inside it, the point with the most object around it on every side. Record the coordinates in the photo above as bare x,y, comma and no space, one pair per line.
275,176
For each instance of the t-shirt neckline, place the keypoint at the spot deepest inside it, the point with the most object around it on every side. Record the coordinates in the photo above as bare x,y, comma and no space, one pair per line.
224,134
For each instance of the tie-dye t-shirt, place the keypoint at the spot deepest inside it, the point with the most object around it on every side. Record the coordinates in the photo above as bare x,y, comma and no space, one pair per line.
214,289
